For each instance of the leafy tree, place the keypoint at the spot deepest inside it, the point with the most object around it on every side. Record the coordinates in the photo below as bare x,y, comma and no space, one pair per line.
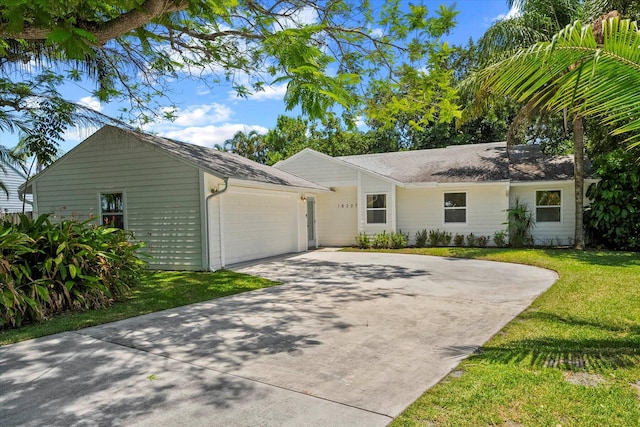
134,49
250,145
538,21
328,136
613,217
492,125
588,70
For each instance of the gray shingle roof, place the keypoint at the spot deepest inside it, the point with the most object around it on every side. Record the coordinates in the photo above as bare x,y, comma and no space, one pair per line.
529,163
458,163
468,163
224,164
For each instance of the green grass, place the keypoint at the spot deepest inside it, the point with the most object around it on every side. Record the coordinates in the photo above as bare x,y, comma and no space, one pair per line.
587,325
157,291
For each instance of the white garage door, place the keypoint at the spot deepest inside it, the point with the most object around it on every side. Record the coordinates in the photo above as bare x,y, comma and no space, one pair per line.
259,224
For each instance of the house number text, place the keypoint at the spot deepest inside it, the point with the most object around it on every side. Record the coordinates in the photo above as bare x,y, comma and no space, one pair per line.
347,205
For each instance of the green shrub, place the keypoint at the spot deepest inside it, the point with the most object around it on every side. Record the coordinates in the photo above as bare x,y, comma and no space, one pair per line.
399,240
613,218
382,241
440,238
458,240
472,240
483,241
445,238
500,239
421,238
363,241
48,268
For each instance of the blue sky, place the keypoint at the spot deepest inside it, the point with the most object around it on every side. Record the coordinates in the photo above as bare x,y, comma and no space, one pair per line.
208,117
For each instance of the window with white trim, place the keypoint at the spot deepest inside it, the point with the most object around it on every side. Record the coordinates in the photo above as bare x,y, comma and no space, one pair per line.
548,203
455,207
376,208
112,210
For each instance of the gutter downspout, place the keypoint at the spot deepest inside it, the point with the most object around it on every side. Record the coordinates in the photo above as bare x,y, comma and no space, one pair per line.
206,203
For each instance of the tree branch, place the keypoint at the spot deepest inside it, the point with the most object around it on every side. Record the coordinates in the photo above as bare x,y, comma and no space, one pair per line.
114,28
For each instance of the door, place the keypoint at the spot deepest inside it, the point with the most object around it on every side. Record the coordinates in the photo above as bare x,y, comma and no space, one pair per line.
311,222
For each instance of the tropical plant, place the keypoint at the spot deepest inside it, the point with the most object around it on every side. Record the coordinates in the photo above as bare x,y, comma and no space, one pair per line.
538,21
613,217
247,144
48,268
519,224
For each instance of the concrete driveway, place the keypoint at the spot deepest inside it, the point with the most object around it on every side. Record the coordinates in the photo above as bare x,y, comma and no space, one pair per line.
349,339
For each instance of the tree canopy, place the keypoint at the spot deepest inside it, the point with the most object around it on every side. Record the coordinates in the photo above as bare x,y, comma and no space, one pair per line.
134,49
590,77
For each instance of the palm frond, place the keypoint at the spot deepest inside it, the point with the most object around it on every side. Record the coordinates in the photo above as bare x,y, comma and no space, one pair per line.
573,71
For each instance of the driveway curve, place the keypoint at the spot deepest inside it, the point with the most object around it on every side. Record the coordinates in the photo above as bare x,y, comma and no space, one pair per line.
348,339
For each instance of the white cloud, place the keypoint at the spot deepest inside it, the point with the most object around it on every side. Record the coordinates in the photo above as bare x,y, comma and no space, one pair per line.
269,93
91,102
513,12
203,90
304,16
208,136
360,123
204,124
376,32
196,115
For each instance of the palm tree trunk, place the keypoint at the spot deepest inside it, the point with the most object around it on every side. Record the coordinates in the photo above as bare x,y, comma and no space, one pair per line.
578,175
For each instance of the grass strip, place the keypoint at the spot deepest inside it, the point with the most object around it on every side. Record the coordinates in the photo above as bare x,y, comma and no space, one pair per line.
571,359
158,290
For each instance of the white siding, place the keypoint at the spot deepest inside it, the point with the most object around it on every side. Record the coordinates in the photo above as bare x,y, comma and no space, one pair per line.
337,217
546,233
162,194
259,223
319,169
11,179
423,208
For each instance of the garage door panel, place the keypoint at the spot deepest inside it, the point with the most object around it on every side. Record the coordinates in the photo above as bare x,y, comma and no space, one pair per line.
260,225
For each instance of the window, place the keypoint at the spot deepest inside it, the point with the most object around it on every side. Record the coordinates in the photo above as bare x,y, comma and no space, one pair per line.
112,210
548,204
376,208
455,207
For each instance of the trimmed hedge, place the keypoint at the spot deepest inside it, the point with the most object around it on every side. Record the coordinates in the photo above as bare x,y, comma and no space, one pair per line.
48,268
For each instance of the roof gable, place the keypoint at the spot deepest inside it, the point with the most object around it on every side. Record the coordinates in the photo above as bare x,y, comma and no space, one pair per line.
218,163
340,161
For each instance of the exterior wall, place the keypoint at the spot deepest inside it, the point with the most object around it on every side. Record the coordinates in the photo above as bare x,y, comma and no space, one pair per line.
337,214
162,195
423,208
256,224
11,178
547,233
319,169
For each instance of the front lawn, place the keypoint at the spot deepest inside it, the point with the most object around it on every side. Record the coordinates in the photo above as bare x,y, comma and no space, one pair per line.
157,291
571,359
